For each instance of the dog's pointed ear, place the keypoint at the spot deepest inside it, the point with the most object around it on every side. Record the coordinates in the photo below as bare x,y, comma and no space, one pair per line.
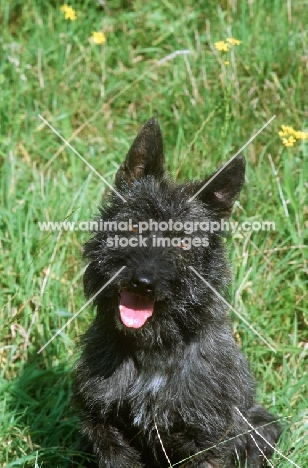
146,155
222,188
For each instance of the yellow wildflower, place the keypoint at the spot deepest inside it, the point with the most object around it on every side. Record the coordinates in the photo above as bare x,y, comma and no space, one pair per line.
299,135
98,37
289,141
226,62
289,135
222,46
287,129
233,41
69,12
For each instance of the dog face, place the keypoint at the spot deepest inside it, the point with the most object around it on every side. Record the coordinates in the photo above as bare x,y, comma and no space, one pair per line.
157,233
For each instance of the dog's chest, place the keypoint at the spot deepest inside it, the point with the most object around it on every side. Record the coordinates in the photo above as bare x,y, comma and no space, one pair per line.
153,394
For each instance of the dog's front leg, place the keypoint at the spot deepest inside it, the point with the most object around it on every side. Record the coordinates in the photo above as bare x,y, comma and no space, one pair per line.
110,447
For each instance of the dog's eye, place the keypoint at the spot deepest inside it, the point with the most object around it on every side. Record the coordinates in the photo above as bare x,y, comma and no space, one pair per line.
134,228
183,244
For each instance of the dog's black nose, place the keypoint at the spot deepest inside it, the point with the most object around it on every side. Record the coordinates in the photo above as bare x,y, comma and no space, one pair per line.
143,283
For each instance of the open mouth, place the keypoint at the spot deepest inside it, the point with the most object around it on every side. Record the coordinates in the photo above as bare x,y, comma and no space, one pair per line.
134,309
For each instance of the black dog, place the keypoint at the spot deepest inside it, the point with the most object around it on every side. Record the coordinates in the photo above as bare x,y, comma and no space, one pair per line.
161,380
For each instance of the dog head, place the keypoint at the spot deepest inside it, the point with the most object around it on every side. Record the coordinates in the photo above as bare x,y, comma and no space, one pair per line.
153,236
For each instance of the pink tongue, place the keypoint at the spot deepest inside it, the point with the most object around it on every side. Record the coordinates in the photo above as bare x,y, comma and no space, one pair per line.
135,310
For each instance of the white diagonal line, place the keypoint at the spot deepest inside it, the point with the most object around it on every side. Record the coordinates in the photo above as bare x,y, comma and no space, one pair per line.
223,442
235,311
233,157
82,308
81,157
53,255
261,451
260,435
112,99
161,443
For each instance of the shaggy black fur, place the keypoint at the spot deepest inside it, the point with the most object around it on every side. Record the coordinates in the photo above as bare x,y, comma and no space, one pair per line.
180,376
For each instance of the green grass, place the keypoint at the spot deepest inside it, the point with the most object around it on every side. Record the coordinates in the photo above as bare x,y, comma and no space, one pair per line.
102,94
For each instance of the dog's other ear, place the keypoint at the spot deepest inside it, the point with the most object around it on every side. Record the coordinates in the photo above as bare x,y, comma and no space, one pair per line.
146,155
223,187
